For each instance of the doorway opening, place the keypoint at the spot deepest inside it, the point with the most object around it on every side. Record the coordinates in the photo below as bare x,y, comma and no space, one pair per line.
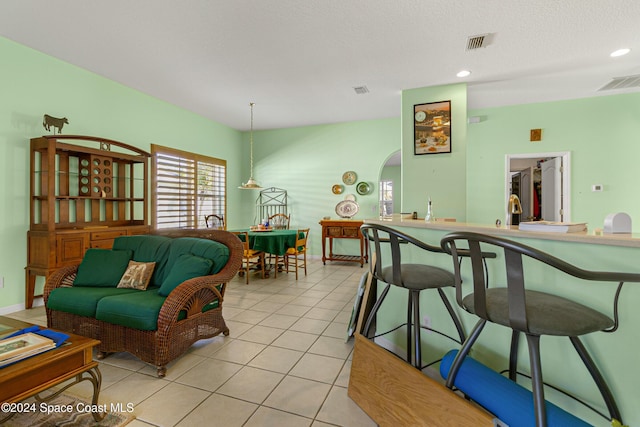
389,197
541,182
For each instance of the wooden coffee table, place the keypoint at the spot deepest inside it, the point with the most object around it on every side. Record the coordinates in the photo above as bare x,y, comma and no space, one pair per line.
29,377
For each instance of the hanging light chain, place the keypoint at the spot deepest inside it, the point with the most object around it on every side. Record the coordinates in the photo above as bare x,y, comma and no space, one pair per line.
251,104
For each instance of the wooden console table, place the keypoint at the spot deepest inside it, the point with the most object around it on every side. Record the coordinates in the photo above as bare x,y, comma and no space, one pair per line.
343,229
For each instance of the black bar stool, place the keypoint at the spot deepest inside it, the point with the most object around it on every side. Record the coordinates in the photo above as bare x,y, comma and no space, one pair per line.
413,277
533,313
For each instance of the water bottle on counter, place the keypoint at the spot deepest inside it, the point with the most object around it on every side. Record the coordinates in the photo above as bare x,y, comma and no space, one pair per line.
429,217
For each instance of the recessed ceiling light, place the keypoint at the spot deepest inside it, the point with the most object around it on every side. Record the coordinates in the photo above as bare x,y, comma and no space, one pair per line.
463,73
620,52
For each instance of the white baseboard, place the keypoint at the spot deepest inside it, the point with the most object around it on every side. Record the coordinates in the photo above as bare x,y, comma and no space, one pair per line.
37,302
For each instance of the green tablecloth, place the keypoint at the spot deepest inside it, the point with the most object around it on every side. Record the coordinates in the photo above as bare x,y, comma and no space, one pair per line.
274,242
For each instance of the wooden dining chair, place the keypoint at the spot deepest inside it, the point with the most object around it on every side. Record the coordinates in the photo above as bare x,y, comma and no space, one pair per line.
214,221
280,221
296,257
250,259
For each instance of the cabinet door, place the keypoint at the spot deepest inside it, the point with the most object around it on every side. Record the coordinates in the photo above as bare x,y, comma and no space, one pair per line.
70,248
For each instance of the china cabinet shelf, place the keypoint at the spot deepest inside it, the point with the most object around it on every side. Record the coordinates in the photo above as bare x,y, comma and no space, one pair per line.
85,191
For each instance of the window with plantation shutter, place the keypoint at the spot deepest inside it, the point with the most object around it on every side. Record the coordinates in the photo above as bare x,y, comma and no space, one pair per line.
186,188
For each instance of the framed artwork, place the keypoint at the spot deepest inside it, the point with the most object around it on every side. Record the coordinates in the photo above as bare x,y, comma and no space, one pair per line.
432,128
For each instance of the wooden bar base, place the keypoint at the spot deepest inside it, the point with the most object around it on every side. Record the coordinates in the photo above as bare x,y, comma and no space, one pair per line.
394,393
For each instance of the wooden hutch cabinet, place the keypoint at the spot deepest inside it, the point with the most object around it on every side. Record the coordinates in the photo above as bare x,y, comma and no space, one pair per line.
85,191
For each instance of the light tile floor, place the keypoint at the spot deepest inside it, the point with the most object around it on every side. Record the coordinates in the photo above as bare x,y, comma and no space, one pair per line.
285,363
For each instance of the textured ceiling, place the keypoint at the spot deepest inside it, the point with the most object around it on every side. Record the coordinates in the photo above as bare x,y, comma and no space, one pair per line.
299,60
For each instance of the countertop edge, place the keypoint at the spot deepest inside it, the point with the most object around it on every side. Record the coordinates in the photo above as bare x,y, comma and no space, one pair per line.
591,237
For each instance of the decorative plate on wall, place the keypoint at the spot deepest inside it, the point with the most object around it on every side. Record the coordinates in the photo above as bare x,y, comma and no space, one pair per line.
349,177
337,189
350,197
347,208
363,188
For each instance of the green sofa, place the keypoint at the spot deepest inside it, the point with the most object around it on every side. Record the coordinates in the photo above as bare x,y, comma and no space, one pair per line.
181,304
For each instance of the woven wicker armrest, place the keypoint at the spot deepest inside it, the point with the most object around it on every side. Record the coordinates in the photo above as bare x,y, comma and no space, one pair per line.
191,296
63,276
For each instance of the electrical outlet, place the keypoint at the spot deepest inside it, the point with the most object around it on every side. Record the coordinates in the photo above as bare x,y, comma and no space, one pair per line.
426,323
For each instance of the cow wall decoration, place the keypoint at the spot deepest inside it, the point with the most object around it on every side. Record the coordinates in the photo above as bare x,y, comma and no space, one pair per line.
53,122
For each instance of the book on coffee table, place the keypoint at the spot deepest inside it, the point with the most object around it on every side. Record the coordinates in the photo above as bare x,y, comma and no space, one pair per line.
22,346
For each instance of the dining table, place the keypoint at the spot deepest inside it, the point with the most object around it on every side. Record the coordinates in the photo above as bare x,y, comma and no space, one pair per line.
275,242
271,242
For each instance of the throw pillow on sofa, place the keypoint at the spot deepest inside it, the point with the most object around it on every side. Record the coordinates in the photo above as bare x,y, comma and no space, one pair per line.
102,267
186,267
137,276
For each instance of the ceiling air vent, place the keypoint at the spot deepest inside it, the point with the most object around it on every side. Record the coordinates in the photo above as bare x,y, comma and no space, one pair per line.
622,83
361,90
476,42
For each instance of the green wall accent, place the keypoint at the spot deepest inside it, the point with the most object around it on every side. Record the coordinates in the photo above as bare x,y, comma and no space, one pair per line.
439,176
308,161
602,134
33,84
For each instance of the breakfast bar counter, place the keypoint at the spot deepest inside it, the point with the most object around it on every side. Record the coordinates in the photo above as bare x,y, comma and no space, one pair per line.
614,353
596,236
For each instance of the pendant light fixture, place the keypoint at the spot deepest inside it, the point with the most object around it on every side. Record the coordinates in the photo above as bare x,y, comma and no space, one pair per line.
251,184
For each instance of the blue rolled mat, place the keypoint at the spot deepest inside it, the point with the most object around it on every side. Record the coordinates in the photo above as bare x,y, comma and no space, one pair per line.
507,400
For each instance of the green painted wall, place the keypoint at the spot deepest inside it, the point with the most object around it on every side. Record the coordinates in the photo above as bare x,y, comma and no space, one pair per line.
33,84
308,161
439,176
602,134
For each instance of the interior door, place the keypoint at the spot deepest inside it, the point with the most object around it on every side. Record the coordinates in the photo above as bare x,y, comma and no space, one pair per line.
526,193
551,208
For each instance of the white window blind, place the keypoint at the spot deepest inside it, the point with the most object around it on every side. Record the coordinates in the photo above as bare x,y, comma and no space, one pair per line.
187,187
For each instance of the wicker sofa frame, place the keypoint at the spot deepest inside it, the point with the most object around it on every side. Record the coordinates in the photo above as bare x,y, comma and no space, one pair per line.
172,337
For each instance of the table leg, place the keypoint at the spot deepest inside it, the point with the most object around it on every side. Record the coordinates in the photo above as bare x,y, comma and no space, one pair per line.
30,288
92,375
324,242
